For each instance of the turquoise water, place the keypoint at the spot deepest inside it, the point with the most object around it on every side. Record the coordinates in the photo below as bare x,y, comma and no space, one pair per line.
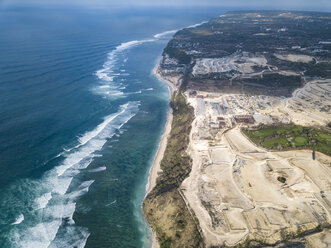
81,115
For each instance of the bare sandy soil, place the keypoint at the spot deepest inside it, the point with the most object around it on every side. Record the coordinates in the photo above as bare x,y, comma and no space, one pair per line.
234,186
237,190
310,105
238,62
295,57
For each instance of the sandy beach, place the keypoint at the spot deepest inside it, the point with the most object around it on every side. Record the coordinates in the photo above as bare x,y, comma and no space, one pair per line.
155,168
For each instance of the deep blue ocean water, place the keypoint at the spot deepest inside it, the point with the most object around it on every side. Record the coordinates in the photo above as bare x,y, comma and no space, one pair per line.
81,115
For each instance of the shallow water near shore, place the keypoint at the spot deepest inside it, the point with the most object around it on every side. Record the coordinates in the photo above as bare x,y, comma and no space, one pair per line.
81,115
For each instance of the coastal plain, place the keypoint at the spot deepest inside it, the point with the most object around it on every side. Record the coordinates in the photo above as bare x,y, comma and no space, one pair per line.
266,73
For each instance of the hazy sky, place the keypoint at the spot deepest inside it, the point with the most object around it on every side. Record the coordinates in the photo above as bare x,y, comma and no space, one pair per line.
279,4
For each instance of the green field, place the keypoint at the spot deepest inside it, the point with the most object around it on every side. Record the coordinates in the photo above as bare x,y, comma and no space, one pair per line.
287,137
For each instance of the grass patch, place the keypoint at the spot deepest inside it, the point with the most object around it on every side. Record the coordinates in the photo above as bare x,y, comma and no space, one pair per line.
301,141
291,137
281,179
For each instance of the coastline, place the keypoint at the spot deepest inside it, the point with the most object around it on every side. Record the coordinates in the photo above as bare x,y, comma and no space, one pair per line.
164,206
155,168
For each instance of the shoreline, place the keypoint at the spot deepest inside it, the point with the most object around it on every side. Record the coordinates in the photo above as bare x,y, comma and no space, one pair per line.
155,168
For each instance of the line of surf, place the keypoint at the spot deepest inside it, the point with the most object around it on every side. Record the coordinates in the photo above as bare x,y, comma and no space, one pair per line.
58,203
165,33
110,69
90,135
106,73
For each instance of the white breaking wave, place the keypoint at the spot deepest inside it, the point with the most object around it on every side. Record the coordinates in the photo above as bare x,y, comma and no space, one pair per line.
110,69
55,204
106,73
41,235
197,25
90,135
83,188
165,33
115,93
43,200
104,86
18,220
58,203
102,168
73,240
98,137
113,202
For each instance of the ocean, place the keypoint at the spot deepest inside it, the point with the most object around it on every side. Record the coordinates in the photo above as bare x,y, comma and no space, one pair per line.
81,115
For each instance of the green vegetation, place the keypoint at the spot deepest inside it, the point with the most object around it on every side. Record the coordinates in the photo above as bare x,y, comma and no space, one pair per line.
259,33
176,164
179,54
281,179
276,80
164,207
291,137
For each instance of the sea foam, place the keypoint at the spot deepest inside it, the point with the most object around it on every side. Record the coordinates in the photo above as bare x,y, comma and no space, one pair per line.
43,200
102,168
58,204
110,69
197,25
160,35
18,220
56,201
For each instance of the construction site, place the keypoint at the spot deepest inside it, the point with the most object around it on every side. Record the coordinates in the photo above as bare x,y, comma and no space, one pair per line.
240,191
